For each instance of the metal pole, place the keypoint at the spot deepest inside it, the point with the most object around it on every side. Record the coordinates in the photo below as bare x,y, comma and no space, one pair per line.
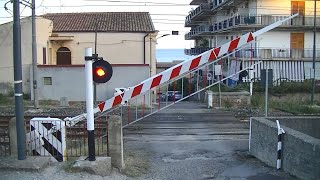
314,53
266,96
34,57
21,134
89,103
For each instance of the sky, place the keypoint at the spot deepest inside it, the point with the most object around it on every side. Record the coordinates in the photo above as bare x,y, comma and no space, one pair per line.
167,15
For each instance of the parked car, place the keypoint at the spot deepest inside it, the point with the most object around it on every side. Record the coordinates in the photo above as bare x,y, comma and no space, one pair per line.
175,95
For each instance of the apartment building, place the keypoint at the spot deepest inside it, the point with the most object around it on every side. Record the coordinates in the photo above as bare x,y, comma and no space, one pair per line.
288,49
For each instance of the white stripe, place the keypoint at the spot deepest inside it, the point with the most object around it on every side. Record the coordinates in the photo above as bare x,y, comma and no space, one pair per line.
205,57
108,104
146,85
278,163
165,76
243,40
224,49
185,67
16,94
127,95
17,82
279,145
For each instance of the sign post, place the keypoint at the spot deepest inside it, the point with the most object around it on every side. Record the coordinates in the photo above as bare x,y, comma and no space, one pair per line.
89,103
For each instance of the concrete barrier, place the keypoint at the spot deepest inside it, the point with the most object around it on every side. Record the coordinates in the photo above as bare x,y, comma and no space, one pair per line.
300,148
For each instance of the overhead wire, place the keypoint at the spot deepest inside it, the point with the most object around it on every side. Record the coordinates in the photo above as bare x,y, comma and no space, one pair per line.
11,27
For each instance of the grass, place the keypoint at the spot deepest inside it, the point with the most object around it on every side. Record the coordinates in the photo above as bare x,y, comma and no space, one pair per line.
293,103
296,108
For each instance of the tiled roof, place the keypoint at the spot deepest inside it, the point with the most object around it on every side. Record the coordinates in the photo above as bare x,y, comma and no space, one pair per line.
107,22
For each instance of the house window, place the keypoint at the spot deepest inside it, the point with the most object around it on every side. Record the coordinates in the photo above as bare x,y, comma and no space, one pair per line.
44,55
47,81
63,56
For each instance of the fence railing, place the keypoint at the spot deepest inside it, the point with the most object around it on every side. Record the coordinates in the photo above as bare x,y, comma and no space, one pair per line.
198,31
202,8
195,51
246,20
268,53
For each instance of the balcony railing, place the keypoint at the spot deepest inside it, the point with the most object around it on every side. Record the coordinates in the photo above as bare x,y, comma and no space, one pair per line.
269,53
203,9
262,20
195,51
198,31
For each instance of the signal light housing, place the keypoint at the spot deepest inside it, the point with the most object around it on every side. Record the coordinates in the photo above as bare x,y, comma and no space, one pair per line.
102,71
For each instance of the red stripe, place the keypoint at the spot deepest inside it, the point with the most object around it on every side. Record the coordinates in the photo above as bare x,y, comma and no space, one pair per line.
195,63
156,81
250,38
117,100
175,72
233,44
137,90
101,106
214,54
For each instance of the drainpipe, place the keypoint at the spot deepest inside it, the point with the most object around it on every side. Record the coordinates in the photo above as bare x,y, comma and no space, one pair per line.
144,48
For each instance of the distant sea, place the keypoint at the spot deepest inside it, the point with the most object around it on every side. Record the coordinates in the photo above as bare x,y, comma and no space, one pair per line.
168,55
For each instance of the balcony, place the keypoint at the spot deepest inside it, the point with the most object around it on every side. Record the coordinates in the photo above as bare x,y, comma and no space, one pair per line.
225,4
198,2
197,14
277,53
261,21
200,30
196,51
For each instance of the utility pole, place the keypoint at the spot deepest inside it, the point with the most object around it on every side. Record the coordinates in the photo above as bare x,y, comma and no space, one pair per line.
314,53
34,56
21,135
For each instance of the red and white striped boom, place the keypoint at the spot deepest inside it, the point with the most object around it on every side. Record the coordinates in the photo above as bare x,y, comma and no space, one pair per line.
184,67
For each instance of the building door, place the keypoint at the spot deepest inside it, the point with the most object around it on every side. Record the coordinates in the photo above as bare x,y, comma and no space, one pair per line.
298,7
63,56
297,45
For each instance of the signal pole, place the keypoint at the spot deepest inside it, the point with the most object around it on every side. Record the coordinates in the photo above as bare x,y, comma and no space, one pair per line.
34,56
21,135
89,103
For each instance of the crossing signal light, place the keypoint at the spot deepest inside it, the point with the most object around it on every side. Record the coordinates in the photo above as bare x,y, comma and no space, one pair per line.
102,71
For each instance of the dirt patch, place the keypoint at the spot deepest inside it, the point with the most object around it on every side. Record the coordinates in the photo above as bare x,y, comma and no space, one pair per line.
137,162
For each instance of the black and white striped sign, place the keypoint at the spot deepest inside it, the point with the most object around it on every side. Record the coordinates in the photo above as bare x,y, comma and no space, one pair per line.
47,138
279,146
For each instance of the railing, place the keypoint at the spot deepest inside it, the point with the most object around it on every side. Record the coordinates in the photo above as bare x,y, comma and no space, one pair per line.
262,20
198,31
268,53
204,7
196,51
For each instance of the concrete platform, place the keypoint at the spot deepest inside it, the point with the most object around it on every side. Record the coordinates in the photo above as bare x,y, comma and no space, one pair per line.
101,166
32,163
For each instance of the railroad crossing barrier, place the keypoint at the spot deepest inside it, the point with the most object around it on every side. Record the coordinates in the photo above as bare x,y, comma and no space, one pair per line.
170,75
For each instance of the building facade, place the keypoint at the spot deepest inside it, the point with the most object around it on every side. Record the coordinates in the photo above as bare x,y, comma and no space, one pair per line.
215,22
123,38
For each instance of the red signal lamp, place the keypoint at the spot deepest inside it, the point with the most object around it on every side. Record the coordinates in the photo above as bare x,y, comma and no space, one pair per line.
102,71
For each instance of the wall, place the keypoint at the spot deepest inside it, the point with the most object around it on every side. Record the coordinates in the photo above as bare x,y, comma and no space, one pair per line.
69,81
267,40
301,152
43,28
116,48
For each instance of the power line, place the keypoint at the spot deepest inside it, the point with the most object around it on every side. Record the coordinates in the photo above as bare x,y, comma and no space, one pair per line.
11,28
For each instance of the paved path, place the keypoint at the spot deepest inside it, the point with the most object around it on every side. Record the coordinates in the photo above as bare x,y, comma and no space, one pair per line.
188,141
